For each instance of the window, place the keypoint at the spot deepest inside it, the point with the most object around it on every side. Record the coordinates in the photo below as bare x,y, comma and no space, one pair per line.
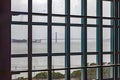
75,39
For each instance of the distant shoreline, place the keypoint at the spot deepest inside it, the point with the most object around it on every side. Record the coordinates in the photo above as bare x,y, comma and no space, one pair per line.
19,40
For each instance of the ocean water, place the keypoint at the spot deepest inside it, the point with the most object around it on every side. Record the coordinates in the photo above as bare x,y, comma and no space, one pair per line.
20,64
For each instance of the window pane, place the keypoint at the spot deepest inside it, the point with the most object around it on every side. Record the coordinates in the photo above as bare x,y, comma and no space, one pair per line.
91,39
21,76
107,71
39,6
39,63
58,19
19,35
91,74
107,8
20,17
91,60
75,20
75,61
91,21
75,40
75,6
42,75
36,18
58,75
106,39
75,74
21,7
39,39
91,7
107,59
19,64
58,6
58,62
106,22
58,39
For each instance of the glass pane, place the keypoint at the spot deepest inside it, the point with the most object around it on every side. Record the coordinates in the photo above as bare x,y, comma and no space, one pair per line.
39,6
58,39
106,8
107,71
91,21
58,19
58,6
58,75
20,17
75,20
19,64
40,75
75,74
39,39
91,73
91,39
91,7
39,63
106,39
106,59
75,40
75,7
58,62
21,7
36,18
106,22
21,76
91,60
19,36
75,61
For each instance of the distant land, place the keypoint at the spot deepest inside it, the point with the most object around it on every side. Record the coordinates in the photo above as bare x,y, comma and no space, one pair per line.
19,40
40,40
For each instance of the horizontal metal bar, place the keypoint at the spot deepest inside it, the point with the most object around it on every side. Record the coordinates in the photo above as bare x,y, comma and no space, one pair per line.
14,13
95,66
58,24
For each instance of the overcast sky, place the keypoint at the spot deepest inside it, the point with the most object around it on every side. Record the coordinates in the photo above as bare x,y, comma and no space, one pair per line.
20,32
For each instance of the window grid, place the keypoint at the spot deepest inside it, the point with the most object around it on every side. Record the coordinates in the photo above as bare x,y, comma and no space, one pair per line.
114,27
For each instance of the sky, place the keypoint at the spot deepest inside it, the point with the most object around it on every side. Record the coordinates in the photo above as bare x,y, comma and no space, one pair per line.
20,32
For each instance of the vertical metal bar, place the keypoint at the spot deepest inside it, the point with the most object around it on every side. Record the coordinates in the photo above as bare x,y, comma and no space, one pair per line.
111,42
67,38
84,39
97,40
49,39
119,39
100,39
115,31
29,39
5,39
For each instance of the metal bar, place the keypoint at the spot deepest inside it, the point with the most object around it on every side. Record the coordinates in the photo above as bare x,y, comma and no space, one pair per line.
5,40
119,39
115,32
14,13
29,39
67,38
96,66
111,42
84,39
99,39
97,42
59,24
49,34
